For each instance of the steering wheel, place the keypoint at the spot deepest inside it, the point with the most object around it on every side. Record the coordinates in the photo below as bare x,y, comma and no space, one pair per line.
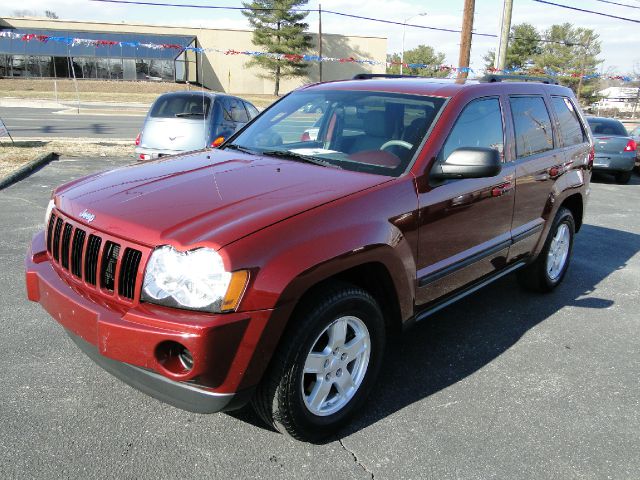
400,143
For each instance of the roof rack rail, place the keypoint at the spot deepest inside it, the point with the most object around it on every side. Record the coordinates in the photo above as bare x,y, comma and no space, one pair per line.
523,78
369,76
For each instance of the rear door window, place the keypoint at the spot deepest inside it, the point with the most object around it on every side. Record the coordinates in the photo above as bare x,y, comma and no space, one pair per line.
569,125
234,110
479,125
532,125
181,106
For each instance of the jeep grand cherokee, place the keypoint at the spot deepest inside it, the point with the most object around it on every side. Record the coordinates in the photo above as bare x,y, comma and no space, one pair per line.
270,270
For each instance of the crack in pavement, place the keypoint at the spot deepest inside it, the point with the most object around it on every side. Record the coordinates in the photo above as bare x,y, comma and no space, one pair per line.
355,459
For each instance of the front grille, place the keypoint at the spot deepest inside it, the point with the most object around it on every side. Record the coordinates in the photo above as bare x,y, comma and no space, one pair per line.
93,259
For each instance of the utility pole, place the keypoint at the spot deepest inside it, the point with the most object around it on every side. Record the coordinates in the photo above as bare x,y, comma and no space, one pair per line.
320,40
465,39
501,55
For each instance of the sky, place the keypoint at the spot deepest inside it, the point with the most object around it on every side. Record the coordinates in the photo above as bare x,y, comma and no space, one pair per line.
620,39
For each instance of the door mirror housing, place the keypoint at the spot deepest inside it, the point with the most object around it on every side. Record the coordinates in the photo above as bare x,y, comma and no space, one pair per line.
469,162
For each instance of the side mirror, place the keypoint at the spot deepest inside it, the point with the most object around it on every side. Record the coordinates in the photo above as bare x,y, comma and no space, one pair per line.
469,162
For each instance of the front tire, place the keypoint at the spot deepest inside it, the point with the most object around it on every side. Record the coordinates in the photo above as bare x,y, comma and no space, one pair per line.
326,365
547,271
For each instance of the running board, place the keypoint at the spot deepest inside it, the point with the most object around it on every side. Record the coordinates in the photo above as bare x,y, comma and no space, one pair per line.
466,291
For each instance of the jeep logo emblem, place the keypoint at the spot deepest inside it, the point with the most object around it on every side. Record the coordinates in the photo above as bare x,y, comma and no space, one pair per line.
87,215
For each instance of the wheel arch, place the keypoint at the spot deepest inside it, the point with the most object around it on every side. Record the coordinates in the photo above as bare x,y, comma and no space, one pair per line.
575,204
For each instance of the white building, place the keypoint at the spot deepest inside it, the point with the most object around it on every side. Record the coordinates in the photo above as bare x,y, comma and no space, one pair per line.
622,99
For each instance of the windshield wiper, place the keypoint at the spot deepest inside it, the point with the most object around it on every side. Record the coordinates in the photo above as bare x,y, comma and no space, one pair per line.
299,157
233,146
186,114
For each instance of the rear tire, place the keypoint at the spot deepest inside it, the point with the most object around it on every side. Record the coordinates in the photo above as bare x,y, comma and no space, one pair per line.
326,364
622,178
547,271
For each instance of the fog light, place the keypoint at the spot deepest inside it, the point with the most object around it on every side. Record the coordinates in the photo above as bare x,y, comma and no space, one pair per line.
185,358
174,357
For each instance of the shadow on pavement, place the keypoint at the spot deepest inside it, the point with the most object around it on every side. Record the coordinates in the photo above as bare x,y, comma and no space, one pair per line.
463,338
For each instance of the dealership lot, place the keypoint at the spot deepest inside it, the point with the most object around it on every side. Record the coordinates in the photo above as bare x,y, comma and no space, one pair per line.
505,384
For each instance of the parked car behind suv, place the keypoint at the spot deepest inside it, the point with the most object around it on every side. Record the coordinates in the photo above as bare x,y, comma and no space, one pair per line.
272,270
182,121
615,149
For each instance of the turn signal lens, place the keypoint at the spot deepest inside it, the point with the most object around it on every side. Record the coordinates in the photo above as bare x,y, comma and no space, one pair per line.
217,142
235,291
631,146
138,139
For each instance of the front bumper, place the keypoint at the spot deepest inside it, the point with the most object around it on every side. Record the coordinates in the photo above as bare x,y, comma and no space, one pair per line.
143,153
129,342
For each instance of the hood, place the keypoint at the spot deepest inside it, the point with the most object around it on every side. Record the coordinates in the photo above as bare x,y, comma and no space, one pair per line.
210,198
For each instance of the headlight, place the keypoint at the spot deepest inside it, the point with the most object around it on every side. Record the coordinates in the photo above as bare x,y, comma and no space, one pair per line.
48,214
195,280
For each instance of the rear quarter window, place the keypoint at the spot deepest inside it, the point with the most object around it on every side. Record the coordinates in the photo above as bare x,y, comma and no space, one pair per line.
532,125
568,123
181,106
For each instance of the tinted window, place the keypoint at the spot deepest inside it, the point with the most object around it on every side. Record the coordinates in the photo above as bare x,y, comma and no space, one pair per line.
479,125
606,126
253,111
187,106
234,111
570,127
532,124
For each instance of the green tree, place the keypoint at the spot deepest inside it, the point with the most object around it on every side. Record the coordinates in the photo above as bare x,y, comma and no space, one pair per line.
278,28
523,48
421,54
574,50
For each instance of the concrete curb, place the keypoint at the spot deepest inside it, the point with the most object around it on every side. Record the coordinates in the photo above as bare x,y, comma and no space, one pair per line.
27,169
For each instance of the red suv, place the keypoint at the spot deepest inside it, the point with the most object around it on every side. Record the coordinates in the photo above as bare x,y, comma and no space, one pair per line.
271,270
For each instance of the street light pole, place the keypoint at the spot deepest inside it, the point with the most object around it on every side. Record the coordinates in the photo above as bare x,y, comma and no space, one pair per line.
404,31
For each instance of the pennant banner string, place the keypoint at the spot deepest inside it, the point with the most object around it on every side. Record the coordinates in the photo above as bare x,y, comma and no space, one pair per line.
71,41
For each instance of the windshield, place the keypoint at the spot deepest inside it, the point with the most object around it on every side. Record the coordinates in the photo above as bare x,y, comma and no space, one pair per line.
373,132
181,106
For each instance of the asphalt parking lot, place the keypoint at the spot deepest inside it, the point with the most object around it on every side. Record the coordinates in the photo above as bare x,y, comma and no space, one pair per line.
504,385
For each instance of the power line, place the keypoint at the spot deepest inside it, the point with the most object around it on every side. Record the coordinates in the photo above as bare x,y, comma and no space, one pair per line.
450,30
342,14
588,11
619,4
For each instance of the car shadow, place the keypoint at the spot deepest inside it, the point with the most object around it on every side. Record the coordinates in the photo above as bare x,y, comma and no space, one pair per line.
607,178
463,338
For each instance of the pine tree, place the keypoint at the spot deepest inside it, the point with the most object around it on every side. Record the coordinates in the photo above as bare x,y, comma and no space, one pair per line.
279,28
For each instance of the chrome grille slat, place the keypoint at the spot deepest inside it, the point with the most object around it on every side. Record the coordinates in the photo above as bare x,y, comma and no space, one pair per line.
66,245
76,252
109,263
91,259
52,222
56,240
128,272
